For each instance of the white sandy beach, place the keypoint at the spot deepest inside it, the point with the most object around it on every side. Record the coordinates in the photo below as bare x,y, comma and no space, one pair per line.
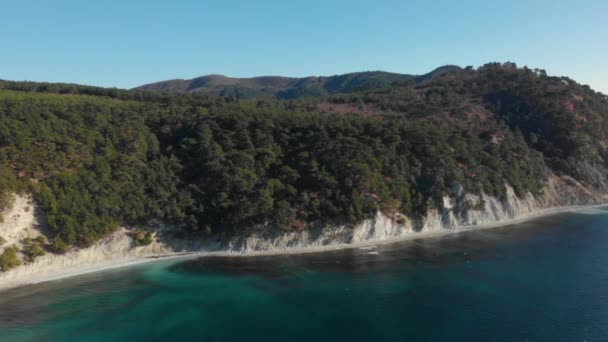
116,251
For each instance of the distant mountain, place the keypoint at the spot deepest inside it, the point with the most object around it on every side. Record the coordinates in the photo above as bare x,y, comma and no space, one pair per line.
290,88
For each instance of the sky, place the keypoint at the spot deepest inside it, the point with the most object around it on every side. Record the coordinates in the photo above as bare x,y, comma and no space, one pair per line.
129,43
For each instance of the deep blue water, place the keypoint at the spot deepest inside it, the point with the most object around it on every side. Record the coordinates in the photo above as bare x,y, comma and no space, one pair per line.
544,280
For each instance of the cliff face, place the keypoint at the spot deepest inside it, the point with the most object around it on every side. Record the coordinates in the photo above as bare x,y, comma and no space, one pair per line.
459,210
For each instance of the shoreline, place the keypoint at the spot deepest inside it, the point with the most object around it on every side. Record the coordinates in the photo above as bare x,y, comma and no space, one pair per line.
110,264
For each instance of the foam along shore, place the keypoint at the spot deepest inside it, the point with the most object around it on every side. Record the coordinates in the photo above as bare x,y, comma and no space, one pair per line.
117,251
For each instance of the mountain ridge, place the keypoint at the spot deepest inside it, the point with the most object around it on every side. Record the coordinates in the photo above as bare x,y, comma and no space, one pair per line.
281,87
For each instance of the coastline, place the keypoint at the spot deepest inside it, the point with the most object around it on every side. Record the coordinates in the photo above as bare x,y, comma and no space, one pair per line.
73,271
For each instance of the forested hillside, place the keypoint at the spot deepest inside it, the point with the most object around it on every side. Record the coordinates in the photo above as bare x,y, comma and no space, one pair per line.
97,158
557,116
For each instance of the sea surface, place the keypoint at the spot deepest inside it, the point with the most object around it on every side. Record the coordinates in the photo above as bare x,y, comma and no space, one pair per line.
543,280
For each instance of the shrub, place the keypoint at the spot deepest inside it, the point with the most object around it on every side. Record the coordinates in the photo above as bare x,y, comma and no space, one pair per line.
9,258
2,241
142,238
480,205
59,246
32,250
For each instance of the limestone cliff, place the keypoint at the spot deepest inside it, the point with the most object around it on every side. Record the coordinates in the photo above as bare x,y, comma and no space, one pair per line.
459,210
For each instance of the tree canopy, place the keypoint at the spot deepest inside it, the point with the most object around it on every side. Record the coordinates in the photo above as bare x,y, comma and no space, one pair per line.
97,158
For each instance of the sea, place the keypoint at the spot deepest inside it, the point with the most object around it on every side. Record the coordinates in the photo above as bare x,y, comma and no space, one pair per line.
542,280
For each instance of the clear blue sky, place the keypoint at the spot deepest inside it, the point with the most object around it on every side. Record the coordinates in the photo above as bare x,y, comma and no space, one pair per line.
129,43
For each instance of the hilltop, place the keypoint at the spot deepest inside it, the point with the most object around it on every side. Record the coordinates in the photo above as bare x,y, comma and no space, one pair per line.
291,88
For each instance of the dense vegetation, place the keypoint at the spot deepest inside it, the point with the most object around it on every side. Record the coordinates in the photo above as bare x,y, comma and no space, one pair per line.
557,116
96,158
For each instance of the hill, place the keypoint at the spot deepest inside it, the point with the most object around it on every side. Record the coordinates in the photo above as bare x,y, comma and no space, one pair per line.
97,158
290,88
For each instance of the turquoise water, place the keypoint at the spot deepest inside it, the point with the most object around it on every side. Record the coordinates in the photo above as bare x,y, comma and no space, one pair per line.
545,280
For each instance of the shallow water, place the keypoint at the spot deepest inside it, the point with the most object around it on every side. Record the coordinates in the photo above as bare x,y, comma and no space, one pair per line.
544,280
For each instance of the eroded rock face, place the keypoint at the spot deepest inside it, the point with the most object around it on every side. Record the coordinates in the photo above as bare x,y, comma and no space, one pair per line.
22,219
457,211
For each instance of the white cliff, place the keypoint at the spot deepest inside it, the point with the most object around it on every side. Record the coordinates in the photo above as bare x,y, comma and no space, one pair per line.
457,211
